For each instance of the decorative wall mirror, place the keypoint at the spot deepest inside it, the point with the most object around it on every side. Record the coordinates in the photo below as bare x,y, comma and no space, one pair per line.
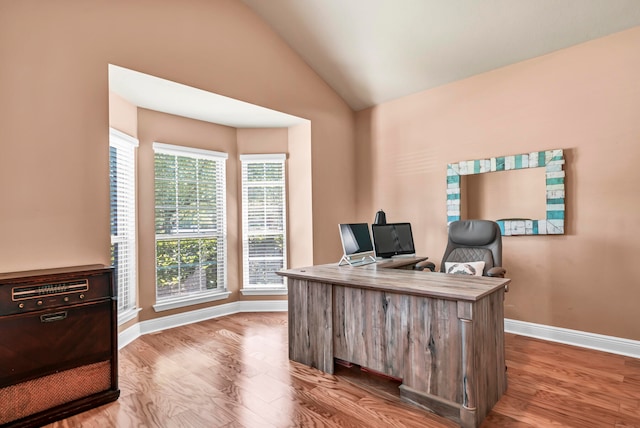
551,160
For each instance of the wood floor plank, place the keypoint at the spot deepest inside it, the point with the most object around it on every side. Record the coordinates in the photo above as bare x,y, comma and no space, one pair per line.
397,416
234,372
629,413
523,411
522,384
499,420
563,367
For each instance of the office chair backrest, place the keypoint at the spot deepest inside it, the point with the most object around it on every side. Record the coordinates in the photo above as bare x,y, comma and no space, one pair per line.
474,240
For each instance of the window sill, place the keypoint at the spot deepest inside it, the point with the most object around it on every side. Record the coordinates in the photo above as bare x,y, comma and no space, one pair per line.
266,291
181,302
128,315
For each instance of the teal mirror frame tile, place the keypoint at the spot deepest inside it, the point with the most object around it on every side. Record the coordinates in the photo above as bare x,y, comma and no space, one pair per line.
551,160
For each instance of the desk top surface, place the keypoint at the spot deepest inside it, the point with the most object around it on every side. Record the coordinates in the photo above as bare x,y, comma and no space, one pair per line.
379,277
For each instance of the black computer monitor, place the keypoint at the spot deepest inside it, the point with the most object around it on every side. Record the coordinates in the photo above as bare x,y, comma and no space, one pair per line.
393,239
355,238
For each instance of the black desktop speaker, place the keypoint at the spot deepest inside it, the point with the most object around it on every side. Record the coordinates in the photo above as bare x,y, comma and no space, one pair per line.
381,218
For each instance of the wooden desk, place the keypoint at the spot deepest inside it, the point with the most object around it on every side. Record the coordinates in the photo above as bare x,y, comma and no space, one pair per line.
443,335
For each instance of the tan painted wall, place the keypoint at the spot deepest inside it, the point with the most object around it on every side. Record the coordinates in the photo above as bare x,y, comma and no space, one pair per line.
123,115
300,193
54,112
585,100
499,195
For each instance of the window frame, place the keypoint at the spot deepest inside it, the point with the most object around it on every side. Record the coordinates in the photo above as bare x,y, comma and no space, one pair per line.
221,292
247,287
126,280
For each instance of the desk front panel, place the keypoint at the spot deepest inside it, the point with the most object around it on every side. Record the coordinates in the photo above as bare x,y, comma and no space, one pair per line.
369,328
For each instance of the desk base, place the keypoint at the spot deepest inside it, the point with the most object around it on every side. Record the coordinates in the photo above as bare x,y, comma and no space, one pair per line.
439,406
447,349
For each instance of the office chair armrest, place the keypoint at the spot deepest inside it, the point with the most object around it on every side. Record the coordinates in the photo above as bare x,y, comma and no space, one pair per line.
425,265
497,272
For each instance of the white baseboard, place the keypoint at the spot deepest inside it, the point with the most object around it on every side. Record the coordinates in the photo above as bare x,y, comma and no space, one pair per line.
127,336
145,327
614,345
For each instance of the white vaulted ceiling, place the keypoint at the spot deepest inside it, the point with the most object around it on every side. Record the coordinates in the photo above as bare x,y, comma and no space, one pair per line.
371,51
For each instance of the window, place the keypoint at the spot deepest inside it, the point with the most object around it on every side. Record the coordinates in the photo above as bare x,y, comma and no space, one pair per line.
190,223
122,181
264,224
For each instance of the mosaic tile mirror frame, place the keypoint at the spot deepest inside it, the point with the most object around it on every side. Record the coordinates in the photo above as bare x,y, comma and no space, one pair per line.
551,160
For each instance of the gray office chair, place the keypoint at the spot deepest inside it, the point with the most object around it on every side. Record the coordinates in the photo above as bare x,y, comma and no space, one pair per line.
471,241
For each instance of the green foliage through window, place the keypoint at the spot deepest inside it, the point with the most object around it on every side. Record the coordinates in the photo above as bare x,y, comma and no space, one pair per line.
190,224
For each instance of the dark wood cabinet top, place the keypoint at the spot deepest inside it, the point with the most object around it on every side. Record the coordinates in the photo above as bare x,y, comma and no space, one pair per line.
75,270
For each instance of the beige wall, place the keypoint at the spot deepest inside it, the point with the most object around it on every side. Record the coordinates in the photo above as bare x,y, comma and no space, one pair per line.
300,217
123,115
54,112
497,195
263,140
585,100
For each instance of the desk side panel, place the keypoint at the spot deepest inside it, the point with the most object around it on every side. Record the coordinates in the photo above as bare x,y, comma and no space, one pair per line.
489,360
370,328
310,324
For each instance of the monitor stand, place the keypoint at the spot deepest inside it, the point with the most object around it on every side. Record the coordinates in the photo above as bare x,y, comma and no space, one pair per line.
357,259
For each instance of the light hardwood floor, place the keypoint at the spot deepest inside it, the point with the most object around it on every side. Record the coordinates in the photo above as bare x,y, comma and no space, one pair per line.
234,372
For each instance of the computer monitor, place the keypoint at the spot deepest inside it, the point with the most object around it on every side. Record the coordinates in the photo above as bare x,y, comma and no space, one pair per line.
393,239
355,238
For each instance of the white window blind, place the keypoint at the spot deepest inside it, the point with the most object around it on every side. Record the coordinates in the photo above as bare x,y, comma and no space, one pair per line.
122,180
264,238
190,221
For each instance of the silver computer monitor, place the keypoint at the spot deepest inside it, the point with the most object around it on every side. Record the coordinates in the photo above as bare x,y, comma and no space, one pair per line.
355,238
